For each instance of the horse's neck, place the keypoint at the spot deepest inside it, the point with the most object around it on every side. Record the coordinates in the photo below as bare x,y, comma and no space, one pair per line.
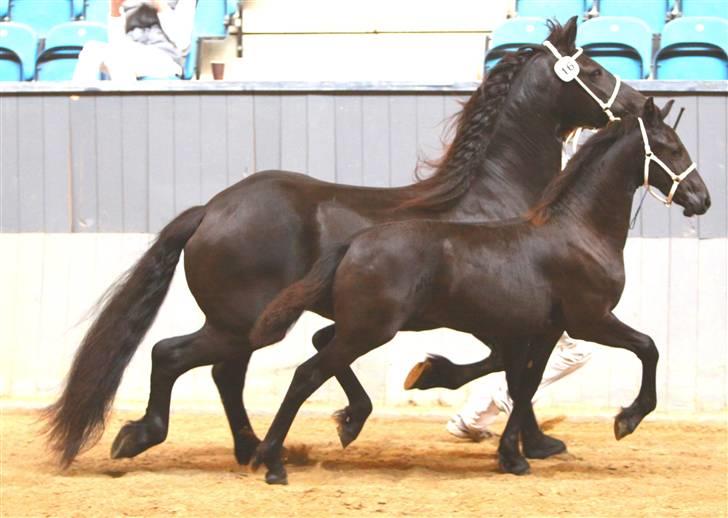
523,154
600,198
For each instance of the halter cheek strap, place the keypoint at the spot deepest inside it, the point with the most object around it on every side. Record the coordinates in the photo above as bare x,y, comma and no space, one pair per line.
650,157
567,69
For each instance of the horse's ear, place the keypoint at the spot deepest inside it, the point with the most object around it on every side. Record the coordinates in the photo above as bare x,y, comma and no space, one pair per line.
665,111
569,38
650,113
563,36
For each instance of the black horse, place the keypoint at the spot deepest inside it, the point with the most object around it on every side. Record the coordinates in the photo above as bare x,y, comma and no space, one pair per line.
264,233
519,284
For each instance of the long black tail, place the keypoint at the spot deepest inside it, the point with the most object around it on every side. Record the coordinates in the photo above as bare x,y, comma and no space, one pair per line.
283,311
127,311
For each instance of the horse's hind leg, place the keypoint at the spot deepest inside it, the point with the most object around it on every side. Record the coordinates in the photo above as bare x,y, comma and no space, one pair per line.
350,420
614,333
309,376
171,358
229,377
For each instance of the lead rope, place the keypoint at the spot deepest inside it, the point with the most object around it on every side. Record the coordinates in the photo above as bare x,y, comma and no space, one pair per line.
639,208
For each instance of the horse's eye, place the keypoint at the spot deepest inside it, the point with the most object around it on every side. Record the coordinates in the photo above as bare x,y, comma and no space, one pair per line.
597,72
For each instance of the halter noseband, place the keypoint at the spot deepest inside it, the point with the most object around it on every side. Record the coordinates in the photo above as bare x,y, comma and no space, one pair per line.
650,157
567,69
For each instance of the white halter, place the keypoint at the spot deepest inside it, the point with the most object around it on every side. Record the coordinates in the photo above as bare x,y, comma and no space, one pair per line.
567,69
650,157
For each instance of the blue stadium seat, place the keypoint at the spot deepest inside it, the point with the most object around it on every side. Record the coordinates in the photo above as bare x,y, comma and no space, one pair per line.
63,44
621,44
513,34
18,51
562,10
705,8
693,47
77,8
210,17
231,7
41,15
96,11
653,12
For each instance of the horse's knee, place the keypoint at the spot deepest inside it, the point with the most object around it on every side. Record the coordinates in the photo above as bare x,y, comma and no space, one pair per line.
648,351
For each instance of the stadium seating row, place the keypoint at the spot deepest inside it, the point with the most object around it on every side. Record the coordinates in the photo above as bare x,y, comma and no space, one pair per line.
655,13
40,43
691,47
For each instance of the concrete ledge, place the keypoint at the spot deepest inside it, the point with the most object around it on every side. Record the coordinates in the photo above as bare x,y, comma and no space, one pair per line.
227,87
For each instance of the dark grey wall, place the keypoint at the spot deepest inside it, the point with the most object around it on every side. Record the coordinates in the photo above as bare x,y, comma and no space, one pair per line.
130,161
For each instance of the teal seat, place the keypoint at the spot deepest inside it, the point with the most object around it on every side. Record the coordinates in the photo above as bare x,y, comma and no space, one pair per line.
621,44
652,12
562,10
41,15
694,48
18,51
96,11
717,8
515,33
64,42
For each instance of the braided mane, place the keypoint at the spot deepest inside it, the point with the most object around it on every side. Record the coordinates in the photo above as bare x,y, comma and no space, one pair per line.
475,123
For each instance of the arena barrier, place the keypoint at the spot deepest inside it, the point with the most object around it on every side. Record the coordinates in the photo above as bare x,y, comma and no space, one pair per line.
90,174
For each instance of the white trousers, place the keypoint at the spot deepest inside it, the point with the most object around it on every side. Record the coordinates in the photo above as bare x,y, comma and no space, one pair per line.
491,397
123,61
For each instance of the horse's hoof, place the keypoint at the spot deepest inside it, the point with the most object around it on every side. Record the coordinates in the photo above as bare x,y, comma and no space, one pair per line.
245,445
543,448
277,476
243,454
134,438
348,426
625,423
515,465
416,378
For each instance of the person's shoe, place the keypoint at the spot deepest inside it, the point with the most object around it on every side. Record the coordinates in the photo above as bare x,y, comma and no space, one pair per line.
457,427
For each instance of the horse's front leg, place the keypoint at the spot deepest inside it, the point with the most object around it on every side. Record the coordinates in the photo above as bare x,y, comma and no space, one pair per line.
439,372
612,332
524,368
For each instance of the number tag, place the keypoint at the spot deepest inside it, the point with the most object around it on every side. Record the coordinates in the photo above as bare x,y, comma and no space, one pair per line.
566,68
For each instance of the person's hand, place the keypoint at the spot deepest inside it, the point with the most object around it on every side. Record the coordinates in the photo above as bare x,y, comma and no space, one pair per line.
115,7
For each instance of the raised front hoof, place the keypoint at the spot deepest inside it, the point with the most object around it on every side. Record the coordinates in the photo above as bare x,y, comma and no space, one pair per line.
513,464
543,447
626,422
134,438
419,377
348,425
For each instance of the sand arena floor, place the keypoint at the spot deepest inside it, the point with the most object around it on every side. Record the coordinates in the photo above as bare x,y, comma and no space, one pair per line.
400,466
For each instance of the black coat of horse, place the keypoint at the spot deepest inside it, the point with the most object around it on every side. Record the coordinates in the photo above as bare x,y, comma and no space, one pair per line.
264,233
519,284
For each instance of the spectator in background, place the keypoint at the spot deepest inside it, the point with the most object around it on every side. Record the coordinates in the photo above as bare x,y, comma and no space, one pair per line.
146,38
